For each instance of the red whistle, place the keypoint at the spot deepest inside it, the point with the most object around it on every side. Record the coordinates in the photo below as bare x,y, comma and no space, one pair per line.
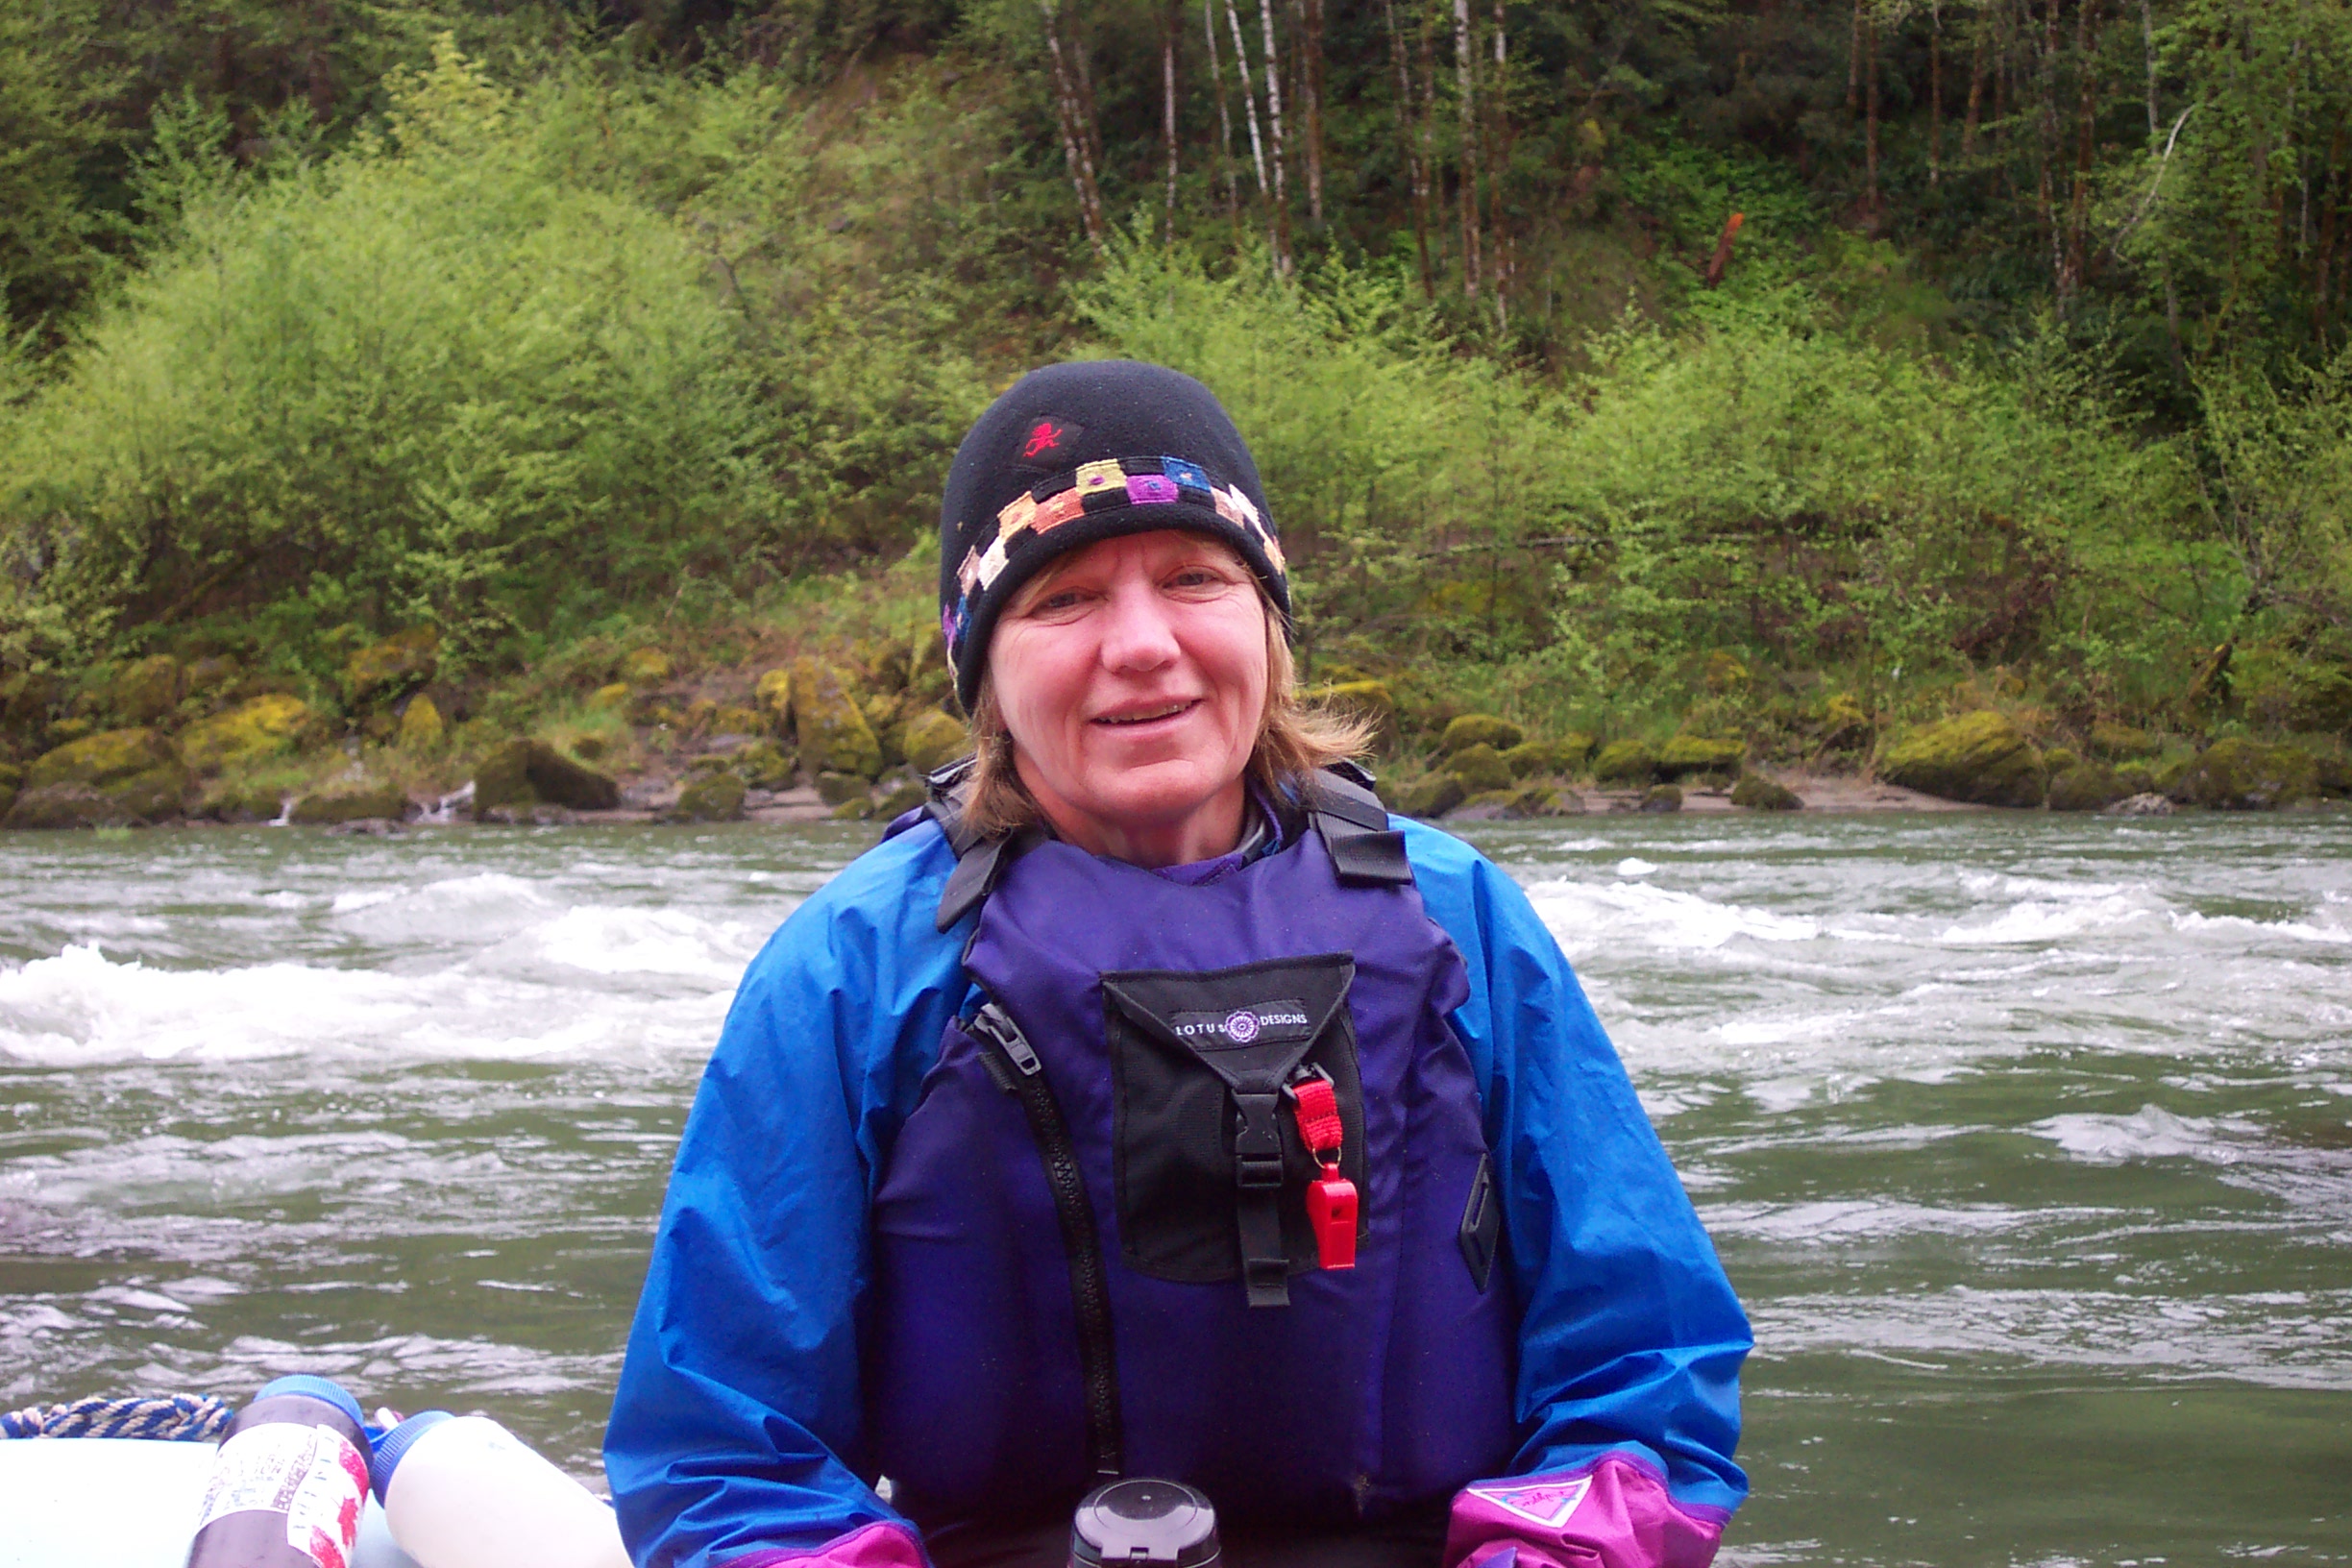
1331,1209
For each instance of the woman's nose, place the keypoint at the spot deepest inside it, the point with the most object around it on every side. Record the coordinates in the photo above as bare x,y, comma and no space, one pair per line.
1139,634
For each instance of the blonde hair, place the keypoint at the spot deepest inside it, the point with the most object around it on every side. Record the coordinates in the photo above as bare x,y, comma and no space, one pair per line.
1293,742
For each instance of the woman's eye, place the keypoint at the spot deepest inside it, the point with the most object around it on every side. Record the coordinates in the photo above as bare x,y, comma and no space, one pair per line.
1066,599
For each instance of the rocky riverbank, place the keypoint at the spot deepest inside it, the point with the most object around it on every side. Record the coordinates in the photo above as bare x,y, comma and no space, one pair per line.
847,731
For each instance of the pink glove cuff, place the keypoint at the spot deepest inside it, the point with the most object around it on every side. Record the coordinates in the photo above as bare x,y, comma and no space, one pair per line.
1611,1513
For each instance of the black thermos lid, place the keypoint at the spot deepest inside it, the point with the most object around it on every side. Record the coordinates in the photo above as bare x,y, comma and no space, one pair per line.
1159,1521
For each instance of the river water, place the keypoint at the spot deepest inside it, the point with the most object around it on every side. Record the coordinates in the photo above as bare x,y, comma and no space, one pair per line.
2028,1140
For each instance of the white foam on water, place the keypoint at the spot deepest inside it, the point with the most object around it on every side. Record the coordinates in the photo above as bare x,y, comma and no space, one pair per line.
2149,1132
2038,920
2324,926
353,902
1585,916
606,941
1634,866
81,1007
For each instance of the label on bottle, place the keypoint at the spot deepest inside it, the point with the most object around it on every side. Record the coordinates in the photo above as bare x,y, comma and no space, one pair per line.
312,1475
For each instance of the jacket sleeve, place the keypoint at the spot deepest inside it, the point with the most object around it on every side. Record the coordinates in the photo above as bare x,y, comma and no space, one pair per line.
735,1433
1630,1338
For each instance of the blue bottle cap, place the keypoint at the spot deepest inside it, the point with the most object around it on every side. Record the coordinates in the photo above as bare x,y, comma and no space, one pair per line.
326,1390
396,1445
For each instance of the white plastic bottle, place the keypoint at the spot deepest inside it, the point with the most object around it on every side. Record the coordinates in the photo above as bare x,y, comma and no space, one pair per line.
461,1491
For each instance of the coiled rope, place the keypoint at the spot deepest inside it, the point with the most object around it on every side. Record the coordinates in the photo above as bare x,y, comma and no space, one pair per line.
183,1417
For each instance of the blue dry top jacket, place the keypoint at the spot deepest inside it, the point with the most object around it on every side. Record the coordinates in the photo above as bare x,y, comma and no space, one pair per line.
741,1428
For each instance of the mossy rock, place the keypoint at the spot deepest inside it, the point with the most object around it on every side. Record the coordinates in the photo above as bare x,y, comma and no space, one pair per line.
644,666
1370,701
716,796
2149,804
2335,773
2121,742
733,719
833,733
1480,729
1480,767
527,773
2086,786
611,699
421,729
209,677
701,717
27,699
68,806
901,797
933,740
1625,762
2247,776
146,689
136,771
1981,757
264,726
1687,754
1489,806
772,697
1431,797
242,803
764,765
856,809
1542,759
2137,779
591,749
1844,725
1755,793
836,789
349,803
385,671
1659,797
2057,759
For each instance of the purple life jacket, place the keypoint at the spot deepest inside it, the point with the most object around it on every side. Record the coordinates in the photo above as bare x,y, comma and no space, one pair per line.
1091,1242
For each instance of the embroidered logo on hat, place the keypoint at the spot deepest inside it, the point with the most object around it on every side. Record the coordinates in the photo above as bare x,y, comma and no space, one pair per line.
1545,1503
1049,442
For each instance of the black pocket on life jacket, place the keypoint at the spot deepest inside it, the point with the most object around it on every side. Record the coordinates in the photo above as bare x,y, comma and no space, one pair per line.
1212,1173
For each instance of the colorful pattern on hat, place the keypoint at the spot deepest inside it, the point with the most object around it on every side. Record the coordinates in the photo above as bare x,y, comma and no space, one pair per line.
1025,523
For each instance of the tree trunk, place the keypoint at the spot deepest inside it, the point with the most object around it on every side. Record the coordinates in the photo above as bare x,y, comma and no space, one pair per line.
2164,265
1416,172
2078,224
1249,97
1497,160
1870,121
1853,62
1274,124
1077,136
1217,84
1935,97
1171,20
1975,101
1465,74
1311,82
1429,127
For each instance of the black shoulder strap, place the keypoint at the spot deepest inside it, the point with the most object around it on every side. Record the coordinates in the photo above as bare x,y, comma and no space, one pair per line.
979,861
1366,851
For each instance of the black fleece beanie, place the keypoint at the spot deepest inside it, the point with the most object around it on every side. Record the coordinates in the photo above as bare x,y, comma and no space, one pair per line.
1083,451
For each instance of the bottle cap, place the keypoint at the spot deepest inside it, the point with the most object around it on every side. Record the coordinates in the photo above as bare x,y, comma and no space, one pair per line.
326,1390
397,1443
1139,1522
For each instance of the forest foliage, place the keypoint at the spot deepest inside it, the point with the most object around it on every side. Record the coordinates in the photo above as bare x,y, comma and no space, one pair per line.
1879,346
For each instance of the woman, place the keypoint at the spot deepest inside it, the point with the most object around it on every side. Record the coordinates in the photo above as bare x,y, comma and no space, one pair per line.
1155,1106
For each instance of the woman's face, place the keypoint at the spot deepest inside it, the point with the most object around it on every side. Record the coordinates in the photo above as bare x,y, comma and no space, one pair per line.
1132,674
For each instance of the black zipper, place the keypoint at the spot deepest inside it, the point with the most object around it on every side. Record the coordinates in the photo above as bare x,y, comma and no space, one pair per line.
1089,1291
